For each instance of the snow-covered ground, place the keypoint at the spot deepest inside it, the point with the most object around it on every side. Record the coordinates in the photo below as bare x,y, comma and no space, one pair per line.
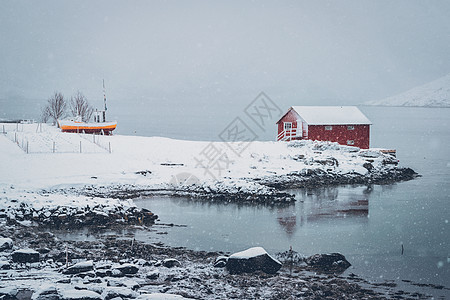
54,162
63,186
166,159
115,163
48,176
432,94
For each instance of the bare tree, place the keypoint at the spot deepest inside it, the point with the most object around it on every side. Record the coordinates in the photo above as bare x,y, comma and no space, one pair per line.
56,107
79,106
45,114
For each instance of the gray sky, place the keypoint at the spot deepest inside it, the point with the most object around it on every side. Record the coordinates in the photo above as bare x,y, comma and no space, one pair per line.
193,54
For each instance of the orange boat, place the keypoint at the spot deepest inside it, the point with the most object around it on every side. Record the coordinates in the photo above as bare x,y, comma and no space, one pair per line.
76,125
100,125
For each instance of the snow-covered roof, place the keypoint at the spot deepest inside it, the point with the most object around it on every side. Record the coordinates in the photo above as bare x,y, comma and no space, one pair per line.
331,115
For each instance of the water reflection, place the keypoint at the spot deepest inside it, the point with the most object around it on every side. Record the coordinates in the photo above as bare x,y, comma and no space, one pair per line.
331,202
314,205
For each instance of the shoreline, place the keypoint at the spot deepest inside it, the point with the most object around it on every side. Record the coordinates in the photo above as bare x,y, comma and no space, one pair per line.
144,269
69,191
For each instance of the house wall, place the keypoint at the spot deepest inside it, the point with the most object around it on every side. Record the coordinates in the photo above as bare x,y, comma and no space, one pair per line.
291,116
340,134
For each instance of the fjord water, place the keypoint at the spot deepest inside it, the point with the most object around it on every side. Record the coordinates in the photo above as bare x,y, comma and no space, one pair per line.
368,224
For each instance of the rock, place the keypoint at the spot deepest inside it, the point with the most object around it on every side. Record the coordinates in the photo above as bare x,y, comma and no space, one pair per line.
46,292
368,166
8,293
4,265
103,273
116,283
252,260
5,244
81,267
160,296
171,262
221,262
127,269
122,292
25,256
80,295
328,263
153,274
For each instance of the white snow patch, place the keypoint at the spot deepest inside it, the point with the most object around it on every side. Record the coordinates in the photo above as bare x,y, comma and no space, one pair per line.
73,294
252,252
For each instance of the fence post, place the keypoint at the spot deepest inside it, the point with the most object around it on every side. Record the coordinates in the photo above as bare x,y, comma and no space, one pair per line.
80,146
53,147
4,129
27,147
15,137
109,147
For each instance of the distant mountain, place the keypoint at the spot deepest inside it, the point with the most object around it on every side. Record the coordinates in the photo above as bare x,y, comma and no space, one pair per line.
432,94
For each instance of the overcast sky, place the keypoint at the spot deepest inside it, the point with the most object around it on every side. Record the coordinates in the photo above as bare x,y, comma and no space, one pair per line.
196,53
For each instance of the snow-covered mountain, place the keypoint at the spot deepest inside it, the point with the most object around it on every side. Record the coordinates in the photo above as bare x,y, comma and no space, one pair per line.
432,94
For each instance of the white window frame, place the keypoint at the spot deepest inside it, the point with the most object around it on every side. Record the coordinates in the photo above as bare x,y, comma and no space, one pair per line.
328,127
284,126
350,127
350,142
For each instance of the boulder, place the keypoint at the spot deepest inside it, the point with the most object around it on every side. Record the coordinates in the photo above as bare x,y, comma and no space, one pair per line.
221,262
110,293
328,263
171,262
46,292
8,293
160,296
25,256
4,265
81,267
5,244
153,274
80,295
127,269
252,260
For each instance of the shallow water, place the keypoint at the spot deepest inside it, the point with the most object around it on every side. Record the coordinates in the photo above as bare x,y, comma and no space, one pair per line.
368,224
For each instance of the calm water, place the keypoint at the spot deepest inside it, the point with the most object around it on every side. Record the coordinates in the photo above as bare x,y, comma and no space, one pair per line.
368,225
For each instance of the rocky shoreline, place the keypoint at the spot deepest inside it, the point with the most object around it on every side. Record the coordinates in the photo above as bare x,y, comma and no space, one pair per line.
117,267
275,186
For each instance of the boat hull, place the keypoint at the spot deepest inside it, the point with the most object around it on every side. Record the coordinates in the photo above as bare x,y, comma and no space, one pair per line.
80,127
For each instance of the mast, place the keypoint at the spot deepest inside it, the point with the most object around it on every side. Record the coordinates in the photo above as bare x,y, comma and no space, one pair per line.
104,101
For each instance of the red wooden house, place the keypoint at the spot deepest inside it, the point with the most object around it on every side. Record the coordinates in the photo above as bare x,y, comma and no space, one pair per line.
346,125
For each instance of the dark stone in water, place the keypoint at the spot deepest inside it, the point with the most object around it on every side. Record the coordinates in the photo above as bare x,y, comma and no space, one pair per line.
328,263
251,260
25,256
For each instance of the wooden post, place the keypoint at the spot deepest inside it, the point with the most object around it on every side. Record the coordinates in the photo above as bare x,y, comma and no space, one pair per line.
109,146
80,146
53,147
4,129
15,137
27,147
